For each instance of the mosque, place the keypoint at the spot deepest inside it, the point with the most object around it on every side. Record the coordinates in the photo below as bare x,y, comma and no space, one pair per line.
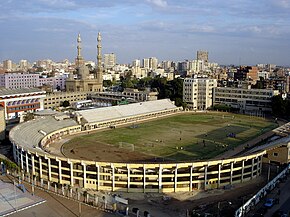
84,80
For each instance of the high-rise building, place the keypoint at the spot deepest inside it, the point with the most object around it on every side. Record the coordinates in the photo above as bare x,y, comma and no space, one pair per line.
109,60
23,65
136,63
196,66
166,65
202,55
146,63
150,63
153,63
197,92
7,65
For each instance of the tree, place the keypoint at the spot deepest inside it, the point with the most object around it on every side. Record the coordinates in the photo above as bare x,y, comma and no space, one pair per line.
28,116
107,83
278,106
65,103
281,107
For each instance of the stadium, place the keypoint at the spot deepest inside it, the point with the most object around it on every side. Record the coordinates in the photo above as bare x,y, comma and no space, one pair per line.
33,141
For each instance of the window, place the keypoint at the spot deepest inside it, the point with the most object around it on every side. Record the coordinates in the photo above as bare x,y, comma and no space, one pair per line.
275,154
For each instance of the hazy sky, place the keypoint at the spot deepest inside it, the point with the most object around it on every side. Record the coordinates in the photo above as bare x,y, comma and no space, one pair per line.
233,31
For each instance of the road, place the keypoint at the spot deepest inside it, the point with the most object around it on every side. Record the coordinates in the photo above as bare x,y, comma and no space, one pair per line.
284,197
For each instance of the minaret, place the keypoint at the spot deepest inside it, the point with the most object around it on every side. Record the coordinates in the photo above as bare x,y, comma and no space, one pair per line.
79,60
99,59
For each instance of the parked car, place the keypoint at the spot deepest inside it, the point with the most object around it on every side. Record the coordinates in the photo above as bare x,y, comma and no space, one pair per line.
269,202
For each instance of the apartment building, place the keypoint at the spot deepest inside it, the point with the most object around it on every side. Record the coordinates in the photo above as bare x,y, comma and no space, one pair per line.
245,100
198,92
57,98
110,60
202,55
27,80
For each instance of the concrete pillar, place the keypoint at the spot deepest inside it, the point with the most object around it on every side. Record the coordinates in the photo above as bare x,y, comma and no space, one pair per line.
219,175
128,177
190,178
243,168
252,172
32,164
98,176
231,177
49,167
160,179
144,178
113,177
59,171
71,172
85,174
21,159
175,177
40,167
26,160
205,176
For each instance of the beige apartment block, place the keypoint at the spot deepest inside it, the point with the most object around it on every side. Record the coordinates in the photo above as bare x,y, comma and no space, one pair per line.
57,98
243,99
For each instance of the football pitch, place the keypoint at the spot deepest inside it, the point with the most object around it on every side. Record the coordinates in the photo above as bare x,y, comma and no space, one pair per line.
183,137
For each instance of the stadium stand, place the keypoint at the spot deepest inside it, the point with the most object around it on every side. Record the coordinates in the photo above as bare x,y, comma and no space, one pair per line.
30,133
124,111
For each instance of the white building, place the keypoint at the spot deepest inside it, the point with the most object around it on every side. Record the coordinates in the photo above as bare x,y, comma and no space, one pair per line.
136,63
150,63
19,80
166,65
153,63
26,80
7,65
57,82
263,74
146,63
196,66
197,92
138,72
110,60
16,102
23,65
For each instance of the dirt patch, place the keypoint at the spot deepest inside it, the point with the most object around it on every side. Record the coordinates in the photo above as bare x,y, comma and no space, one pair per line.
104,151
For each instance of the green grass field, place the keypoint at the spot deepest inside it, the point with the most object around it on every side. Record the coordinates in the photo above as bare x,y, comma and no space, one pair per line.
182,137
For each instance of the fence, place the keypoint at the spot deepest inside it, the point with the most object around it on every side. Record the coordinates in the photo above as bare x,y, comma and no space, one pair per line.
247,206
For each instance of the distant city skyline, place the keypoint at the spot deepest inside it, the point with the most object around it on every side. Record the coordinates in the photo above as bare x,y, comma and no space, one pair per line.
233,31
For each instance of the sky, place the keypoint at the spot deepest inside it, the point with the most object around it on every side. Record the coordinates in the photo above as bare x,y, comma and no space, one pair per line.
236,32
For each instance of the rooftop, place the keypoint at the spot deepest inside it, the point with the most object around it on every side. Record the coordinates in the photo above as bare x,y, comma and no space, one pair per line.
122,111
8,92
